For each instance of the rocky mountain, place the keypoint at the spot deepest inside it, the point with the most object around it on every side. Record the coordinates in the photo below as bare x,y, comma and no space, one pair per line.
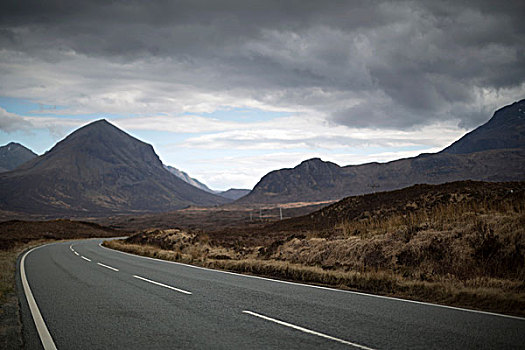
13,155
98,170
234,193
493,152
192,181
505,130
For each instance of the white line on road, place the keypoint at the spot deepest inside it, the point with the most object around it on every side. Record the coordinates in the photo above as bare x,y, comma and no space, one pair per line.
83,257
108,267
43,332
306,330
162,285
76,253
71,248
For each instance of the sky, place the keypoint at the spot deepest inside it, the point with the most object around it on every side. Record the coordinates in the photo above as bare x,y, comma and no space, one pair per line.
230,90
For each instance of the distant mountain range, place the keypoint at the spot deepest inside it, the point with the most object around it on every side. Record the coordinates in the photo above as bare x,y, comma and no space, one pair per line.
13,155
232,193
98,170
101,170
184,176
494,151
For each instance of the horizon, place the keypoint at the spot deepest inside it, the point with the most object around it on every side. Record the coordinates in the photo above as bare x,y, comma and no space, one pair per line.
229,93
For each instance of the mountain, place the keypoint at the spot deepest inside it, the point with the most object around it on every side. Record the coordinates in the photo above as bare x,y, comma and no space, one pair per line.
493,152
234,193
505,130
192,181
14,154
98,170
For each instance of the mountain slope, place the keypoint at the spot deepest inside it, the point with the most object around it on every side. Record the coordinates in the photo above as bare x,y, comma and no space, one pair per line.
492,152
505,130
234,193
184,176
13,155
96,170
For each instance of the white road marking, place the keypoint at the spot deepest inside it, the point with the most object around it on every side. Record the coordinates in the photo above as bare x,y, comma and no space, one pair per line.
162,285
71,248
76,253
320,287
108,267
43,332
306,330
83,257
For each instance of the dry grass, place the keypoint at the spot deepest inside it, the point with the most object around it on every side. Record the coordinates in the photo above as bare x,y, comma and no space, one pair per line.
8,267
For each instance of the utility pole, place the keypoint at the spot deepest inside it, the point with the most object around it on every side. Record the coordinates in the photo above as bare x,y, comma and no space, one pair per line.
281,212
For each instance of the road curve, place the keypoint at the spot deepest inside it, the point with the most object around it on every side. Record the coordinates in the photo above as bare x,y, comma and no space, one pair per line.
92,297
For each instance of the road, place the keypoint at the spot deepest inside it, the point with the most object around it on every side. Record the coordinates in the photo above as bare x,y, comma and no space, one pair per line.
91,297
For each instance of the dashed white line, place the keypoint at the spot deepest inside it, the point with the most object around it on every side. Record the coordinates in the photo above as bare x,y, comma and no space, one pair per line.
83,257
162,285
107,267
76,253
306,330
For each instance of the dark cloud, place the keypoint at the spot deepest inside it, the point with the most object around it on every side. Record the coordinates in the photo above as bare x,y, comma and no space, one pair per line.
361,63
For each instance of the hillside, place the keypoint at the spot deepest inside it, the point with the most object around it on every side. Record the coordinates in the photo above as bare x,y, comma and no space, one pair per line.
383,205
98,170
13,155
184,176
505,130
234,193
493,152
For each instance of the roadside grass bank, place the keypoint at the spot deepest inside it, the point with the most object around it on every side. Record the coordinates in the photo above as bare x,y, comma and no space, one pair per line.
487,295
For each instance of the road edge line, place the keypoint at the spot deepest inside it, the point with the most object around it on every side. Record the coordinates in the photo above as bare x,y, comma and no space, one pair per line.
43,332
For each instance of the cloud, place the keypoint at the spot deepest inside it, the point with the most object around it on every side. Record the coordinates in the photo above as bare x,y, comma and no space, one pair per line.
314,133
57,127
348,74
10,122
382,64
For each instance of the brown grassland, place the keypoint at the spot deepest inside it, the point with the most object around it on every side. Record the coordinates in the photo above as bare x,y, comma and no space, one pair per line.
460,244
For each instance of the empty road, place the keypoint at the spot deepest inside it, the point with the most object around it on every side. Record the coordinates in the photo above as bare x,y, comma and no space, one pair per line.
90,297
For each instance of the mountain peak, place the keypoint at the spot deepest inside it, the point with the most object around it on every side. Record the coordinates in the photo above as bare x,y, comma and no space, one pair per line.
14,154
316,163
98,169
505,130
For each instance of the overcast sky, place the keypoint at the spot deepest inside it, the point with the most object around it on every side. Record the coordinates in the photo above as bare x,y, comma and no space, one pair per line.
229,90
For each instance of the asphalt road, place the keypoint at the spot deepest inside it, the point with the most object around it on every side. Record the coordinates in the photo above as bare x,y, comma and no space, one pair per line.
92,297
